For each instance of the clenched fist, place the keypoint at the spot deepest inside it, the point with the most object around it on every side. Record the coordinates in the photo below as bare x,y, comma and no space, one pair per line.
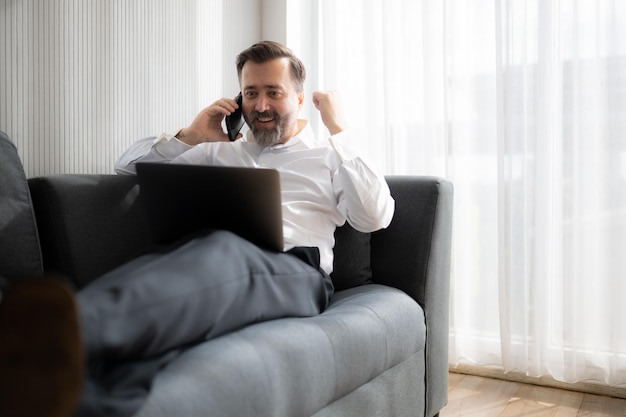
329,105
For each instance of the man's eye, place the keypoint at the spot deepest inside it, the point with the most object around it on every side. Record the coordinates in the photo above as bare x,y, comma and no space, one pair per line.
250,94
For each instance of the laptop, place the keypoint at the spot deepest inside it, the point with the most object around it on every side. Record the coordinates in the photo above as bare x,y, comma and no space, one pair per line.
182,200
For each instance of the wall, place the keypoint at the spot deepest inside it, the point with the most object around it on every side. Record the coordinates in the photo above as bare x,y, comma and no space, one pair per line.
80,81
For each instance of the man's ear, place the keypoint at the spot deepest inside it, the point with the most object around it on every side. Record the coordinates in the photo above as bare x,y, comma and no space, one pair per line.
300,100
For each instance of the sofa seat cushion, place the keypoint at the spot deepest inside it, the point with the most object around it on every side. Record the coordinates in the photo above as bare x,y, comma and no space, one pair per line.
294,366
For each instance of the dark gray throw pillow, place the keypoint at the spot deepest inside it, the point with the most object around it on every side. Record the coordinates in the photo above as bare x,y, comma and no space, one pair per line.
352,258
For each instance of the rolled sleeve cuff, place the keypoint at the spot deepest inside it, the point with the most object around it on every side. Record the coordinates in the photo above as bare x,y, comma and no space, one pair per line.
345,145
168,146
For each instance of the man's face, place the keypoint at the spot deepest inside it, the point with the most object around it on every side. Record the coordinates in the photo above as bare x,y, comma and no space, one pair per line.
270,101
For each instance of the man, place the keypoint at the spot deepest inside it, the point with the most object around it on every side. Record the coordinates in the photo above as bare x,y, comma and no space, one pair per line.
323,182
137,318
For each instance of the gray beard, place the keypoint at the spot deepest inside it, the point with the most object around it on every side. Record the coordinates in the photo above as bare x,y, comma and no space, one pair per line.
267,138
264,137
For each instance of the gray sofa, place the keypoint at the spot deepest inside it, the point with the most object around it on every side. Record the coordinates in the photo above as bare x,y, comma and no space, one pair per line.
380,349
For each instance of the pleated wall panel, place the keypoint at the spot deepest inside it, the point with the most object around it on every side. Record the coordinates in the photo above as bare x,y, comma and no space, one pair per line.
81,80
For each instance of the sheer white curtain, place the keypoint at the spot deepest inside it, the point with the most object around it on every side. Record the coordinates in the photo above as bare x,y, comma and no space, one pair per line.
522,104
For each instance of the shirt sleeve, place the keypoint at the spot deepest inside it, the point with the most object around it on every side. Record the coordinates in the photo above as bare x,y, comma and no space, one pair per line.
363,194
151,149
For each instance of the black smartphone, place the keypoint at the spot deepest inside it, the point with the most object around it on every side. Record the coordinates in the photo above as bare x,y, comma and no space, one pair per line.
235,121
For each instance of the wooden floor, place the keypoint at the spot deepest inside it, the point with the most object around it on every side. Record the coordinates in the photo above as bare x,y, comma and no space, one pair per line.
470,395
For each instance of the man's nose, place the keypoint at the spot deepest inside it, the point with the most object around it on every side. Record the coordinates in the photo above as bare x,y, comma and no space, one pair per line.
261,104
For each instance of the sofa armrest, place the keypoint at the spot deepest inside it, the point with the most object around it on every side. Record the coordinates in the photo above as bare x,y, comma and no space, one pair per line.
414,255
88,224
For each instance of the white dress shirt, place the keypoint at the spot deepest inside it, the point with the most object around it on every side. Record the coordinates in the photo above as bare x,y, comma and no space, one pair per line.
323,182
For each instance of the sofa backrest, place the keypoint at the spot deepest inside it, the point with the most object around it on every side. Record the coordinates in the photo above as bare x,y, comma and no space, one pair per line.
417,243
20,255
90,224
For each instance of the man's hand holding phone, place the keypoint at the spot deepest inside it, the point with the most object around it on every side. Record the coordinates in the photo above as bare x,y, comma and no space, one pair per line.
207,125
235,120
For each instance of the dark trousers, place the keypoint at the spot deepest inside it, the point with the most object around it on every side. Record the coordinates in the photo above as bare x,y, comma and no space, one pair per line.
139,317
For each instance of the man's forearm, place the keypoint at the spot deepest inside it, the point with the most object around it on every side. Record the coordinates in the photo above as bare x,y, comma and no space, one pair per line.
151,149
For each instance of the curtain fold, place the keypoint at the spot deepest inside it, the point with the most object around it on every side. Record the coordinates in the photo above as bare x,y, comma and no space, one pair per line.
522,105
